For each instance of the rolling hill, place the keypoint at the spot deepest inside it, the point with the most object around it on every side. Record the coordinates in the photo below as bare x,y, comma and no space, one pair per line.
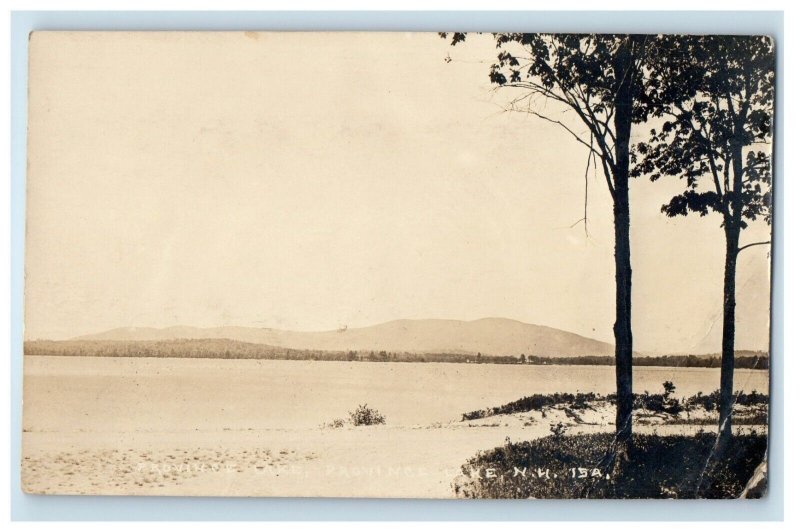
490,336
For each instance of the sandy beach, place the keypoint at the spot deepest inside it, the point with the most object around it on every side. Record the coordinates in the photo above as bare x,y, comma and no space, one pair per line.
178,426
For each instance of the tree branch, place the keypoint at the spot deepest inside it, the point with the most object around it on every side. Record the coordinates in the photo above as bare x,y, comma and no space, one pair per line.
764,243
586,193
558,122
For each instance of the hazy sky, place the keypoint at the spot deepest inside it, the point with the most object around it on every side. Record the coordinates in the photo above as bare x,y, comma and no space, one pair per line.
311,181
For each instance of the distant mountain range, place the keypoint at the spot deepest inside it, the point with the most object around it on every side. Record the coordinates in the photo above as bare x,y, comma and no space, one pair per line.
489,336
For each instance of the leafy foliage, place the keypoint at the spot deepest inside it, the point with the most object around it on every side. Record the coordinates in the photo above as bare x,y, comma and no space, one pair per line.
714,96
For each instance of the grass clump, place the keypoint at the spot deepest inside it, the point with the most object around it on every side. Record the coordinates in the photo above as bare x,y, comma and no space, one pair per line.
561,467
335,424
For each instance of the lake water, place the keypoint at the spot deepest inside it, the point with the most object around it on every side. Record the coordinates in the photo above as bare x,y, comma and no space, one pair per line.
157,394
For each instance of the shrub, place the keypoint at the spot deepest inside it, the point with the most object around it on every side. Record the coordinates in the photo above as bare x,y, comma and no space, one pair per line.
535,402
558,429
711,401
557,467
708,402
659,403
363,415
751,399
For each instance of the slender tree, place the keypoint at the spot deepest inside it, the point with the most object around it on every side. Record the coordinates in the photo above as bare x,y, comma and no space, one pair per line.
600,79
715,97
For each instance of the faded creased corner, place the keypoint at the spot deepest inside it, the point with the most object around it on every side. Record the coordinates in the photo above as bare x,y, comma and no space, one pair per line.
756,487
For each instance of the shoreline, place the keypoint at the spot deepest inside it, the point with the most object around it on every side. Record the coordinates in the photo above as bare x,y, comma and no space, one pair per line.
486,361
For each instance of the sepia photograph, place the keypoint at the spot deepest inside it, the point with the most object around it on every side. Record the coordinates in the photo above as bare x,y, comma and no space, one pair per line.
398,265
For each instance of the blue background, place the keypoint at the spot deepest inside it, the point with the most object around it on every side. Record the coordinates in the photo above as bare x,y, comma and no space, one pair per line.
30,507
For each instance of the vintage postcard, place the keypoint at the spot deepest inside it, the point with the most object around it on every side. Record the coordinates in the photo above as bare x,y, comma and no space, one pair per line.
412,265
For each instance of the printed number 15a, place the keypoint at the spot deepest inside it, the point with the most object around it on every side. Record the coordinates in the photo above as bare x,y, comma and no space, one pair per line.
585,472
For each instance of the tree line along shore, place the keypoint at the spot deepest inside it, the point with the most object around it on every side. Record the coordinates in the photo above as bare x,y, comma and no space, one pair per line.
231,349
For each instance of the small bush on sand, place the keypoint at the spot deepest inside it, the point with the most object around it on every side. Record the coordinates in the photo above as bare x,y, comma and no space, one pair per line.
558,429
709,402
658,403
363,415
559,467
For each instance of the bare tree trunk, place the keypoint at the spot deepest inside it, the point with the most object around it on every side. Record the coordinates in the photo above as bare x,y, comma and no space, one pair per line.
732,231
728,333
623,335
